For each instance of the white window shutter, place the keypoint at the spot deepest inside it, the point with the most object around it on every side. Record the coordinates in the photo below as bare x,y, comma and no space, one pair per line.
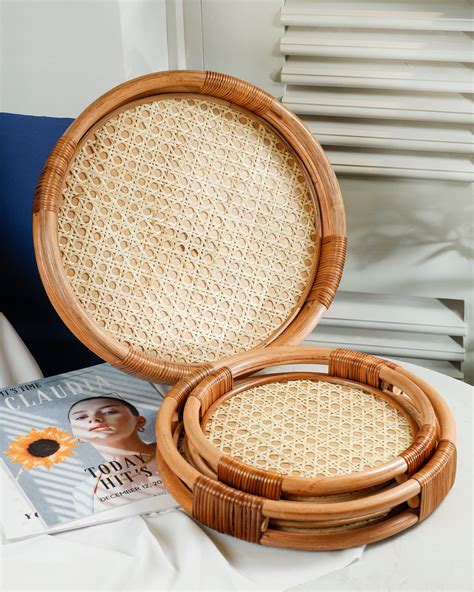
385,86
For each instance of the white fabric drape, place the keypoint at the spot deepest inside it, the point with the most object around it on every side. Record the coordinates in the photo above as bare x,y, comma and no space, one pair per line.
16,363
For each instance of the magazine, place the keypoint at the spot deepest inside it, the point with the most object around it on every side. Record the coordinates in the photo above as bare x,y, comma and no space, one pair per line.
78,449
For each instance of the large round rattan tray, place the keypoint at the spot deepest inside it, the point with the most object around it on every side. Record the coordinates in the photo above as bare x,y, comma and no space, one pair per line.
185,217
253,503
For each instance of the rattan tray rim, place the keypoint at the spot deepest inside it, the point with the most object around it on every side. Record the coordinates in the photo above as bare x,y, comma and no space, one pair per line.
242,364
274,537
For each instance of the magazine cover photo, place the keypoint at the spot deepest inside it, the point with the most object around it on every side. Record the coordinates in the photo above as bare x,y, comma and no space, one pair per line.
81,443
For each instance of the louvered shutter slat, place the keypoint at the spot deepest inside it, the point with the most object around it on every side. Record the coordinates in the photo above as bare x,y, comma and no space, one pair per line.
428,15
378,74
366,133
369,43
441,107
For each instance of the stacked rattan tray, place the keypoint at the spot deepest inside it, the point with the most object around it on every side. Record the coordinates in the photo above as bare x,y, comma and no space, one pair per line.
306,460
189,229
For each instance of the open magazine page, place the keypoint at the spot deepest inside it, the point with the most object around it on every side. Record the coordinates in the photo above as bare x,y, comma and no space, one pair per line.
79,444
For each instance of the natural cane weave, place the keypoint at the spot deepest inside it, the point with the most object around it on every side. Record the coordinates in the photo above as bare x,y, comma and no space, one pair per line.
186,229
307,428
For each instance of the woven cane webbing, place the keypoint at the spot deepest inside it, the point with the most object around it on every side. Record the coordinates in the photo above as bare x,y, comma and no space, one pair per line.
307,428
187,230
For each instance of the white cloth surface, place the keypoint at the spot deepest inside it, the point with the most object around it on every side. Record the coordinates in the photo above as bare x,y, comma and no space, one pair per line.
165,551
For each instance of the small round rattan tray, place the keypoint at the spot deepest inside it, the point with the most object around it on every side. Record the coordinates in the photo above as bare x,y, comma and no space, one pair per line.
185,217
311,434
274,508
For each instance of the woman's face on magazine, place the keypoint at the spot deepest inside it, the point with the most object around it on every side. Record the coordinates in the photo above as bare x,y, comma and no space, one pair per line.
100,420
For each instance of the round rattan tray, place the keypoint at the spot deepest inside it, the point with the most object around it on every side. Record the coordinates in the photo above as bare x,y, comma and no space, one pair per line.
327,512
320,435
185,217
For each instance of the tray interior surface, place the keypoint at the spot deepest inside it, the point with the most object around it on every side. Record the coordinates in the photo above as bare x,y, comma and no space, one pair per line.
309,428
187,229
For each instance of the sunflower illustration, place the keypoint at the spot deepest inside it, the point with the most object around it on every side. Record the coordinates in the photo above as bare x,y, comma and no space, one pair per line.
41,448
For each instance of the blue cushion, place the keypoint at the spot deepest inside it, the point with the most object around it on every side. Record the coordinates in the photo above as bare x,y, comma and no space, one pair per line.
25,143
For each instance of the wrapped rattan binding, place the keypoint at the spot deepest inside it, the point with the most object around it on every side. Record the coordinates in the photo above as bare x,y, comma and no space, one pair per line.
437,477
228,510
184,217
257,482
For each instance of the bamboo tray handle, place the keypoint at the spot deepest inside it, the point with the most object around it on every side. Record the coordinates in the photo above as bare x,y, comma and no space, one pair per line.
195,460
271,536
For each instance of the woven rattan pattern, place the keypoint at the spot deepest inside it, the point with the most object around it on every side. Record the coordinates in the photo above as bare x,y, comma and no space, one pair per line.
309,428
186,229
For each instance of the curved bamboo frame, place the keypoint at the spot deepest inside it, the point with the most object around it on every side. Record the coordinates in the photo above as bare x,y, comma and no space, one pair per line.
193,458
321,179
402,403
210,501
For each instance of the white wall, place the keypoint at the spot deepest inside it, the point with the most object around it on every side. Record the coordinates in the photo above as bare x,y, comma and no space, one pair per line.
238,37
242,39
59,56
